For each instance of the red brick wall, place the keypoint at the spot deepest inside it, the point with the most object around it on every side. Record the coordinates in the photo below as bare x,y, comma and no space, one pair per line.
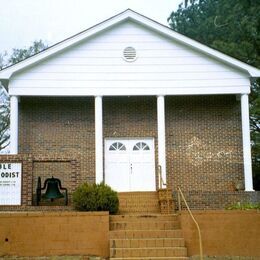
34,166
130,117
205,200
59,127
60,170
204,150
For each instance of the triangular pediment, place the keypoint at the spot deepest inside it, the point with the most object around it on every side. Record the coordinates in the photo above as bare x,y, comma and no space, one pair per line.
128,54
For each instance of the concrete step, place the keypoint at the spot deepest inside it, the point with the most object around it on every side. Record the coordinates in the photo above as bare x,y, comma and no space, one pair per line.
141,232
149,252
129,234
146,242
145,225
144,217
138,202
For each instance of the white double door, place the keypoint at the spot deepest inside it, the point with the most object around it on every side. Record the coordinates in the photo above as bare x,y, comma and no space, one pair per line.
130,164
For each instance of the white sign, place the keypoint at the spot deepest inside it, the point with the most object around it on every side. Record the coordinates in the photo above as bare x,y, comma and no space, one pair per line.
10,183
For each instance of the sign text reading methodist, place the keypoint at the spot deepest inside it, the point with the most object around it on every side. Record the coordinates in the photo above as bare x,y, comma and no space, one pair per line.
10,183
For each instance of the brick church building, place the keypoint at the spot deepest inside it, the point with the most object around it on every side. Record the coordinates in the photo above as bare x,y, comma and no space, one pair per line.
126,98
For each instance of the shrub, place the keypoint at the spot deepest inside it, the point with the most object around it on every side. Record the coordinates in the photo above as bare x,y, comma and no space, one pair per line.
245,206
95,197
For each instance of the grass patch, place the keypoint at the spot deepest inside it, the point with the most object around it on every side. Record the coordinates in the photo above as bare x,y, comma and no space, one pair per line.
244,206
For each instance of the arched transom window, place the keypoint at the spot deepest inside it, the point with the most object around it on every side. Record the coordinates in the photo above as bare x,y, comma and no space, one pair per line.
141,146
117,146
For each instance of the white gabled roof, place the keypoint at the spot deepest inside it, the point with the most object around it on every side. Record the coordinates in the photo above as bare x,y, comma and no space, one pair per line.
131,15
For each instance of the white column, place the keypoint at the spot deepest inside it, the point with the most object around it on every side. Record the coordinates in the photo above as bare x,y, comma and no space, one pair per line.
99,139
246,143
13,125
161,135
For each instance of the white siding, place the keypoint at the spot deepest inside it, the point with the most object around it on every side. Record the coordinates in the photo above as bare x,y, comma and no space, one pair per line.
96,67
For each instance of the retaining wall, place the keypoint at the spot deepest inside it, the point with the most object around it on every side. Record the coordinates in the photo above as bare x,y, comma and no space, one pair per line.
54,233
29,234
224,233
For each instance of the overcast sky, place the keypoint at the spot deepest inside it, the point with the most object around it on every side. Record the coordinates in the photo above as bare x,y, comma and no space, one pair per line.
23,21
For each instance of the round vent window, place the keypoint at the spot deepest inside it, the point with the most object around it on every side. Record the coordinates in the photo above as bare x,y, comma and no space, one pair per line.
129,54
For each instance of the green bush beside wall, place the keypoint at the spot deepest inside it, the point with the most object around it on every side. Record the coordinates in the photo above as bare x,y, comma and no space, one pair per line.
95,197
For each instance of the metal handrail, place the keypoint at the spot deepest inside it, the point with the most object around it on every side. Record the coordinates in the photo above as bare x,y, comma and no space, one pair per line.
162,183
194,220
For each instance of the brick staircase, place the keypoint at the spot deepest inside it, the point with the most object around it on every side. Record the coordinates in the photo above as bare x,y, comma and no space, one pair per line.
141,232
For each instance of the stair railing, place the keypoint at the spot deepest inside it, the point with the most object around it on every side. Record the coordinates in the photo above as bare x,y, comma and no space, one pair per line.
181,196
161,183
